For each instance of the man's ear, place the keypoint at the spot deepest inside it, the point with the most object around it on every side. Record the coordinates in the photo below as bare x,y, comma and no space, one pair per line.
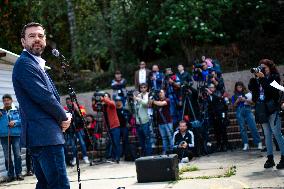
22,41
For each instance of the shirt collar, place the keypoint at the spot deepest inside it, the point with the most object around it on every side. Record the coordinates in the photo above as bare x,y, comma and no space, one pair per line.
40,60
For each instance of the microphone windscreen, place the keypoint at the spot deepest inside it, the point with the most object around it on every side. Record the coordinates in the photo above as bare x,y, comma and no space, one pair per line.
55,52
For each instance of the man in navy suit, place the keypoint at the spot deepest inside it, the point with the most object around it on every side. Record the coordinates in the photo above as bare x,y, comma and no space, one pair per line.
43,118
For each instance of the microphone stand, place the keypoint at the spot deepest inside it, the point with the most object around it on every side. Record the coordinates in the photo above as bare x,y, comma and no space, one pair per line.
74,99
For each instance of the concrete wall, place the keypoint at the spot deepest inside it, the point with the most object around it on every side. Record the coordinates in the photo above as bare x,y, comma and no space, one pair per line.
229,78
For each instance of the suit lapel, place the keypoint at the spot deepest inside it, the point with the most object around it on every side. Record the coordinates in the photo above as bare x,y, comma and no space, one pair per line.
48,80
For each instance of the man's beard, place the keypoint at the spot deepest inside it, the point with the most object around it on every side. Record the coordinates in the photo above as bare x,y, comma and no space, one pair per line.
37,51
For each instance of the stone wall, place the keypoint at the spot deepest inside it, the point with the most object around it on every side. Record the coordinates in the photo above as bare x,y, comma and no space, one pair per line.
229,78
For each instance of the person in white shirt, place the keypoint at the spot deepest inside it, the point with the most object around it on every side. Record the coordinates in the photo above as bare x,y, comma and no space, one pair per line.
141,75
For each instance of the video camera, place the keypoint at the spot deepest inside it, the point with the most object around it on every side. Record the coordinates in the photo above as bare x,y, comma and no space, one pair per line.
257,70
97,97
154,94
130,95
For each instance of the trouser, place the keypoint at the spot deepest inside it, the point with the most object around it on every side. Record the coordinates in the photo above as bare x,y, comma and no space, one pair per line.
245,115
13,143
144,134
115,136
49,167
183,152
273,127
220,131
125,143
166,131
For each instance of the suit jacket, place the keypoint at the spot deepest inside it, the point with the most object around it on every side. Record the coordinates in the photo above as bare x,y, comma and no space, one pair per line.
40,108
136,78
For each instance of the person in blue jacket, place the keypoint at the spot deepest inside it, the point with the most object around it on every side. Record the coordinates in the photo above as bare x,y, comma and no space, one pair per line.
10,130
43,118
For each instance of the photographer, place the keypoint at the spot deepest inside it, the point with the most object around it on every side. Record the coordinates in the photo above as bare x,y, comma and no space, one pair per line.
79,130
184,76
156,78
267,99
142,120
164,121
183,141
112,121
118,85
172,87
217,80
123,116
201,72
217,110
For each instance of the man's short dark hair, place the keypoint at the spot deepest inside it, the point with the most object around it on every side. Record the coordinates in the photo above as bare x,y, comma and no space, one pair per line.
182,121
29,25
7,96
67,98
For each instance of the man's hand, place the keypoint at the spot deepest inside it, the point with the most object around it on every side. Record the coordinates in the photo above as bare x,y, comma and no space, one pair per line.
66,124
184,145
12,124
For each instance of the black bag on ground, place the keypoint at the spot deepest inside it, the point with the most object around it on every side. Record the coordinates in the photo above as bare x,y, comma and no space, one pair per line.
157,168
261,115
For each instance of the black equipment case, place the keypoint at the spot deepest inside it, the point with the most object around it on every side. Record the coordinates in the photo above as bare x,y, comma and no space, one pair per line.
157,168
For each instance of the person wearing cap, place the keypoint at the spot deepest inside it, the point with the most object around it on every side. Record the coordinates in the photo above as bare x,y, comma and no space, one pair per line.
142,120
141,75
123,116
217,111
118,85
172,88
10,130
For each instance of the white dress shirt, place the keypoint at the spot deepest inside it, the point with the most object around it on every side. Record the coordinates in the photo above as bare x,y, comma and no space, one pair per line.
38,59
142,76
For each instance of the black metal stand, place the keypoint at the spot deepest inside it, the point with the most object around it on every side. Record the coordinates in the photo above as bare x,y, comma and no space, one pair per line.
74,99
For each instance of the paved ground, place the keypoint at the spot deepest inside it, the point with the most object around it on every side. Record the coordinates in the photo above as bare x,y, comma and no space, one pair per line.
249,174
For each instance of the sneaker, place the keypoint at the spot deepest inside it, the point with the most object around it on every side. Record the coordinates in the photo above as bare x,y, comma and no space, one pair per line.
259,146
209,144
20,177
280,165
246,147
29,173
9,179
269,162
86,159
184,160
73,162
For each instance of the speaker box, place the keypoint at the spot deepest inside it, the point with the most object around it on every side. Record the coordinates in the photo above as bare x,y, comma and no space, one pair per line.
157,168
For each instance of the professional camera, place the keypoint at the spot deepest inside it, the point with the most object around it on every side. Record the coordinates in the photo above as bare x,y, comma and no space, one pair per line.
97,98
257,69
185,87
154,94
168,76
198,65
130,95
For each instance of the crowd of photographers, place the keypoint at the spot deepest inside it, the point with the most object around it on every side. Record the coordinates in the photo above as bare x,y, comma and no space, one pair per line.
179,109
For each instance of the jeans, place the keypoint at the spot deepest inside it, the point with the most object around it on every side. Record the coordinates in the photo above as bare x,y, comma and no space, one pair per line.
144,134
125,143
245,115
70,141
166,131
271,128
14,141
49,167
175,113
115,136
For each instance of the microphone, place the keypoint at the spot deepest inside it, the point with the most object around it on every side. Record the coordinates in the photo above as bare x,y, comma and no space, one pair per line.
56,53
